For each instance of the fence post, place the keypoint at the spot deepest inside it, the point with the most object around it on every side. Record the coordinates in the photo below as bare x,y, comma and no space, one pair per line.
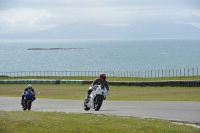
193,72
184,72
165,73
147,74
176,72
136,73
140,74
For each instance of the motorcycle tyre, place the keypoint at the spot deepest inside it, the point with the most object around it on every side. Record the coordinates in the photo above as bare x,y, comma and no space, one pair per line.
29,105
97,105
85,106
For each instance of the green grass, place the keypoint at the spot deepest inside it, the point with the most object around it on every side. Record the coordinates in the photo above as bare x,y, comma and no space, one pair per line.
108,78
58,122
78,92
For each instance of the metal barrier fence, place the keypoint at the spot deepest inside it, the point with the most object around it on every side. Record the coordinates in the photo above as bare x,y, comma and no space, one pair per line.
141,74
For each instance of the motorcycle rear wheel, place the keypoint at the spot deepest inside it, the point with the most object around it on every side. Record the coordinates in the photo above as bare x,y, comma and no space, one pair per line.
85,106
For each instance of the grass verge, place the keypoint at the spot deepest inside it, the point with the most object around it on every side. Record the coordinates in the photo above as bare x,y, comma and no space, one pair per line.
78,92
58,122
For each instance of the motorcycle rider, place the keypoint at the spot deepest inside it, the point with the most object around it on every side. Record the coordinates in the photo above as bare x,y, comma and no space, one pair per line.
29,88
98,81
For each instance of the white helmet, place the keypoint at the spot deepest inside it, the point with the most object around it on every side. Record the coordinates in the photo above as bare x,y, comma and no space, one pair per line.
29,86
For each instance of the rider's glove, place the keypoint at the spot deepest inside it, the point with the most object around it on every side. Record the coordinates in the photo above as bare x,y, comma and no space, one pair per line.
34,98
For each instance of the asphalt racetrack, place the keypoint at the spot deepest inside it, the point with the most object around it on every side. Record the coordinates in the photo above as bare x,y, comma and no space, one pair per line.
180,111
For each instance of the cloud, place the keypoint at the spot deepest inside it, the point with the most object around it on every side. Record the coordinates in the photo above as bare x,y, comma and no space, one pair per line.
35,14
115,25
197,24
116,15
24,19
196,12
23,16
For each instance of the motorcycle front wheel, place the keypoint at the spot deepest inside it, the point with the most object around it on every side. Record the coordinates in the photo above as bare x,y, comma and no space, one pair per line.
98,102
29,105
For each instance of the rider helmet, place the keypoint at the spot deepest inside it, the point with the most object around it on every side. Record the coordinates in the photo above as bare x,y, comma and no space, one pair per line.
102,76
29,86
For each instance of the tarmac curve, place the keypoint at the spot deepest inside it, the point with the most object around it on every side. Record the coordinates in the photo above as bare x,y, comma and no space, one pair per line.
175,111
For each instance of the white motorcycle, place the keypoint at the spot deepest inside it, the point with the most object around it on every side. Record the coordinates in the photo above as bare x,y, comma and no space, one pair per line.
96,98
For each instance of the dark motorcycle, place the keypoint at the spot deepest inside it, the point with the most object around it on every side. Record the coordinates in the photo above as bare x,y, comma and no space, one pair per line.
29,97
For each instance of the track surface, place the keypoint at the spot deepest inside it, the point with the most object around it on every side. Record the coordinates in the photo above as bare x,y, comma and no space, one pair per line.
167,110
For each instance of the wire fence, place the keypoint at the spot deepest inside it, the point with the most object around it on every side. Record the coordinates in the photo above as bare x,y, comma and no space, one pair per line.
186,72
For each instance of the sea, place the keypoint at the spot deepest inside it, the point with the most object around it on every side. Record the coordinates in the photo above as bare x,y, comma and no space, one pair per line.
99,55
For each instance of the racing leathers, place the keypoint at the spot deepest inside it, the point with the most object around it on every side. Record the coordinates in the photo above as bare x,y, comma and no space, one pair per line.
97,81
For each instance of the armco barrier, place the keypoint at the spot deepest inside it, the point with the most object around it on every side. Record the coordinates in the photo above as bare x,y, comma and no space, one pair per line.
183,83
33,81
71,81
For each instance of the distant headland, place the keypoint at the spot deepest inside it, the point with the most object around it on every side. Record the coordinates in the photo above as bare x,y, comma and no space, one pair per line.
57,48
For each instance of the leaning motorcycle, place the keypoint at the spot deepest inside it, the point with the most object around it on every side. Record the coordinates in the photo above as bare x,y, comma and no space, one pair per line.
96,98
28,99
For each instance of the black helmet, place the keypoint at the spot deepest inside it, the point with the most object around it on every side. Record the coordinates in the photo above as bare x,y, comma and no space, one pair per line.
102,76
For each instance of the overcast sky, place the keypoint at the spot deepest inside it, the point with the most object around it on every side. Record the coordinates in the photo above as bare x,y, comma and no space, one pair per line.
34,15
